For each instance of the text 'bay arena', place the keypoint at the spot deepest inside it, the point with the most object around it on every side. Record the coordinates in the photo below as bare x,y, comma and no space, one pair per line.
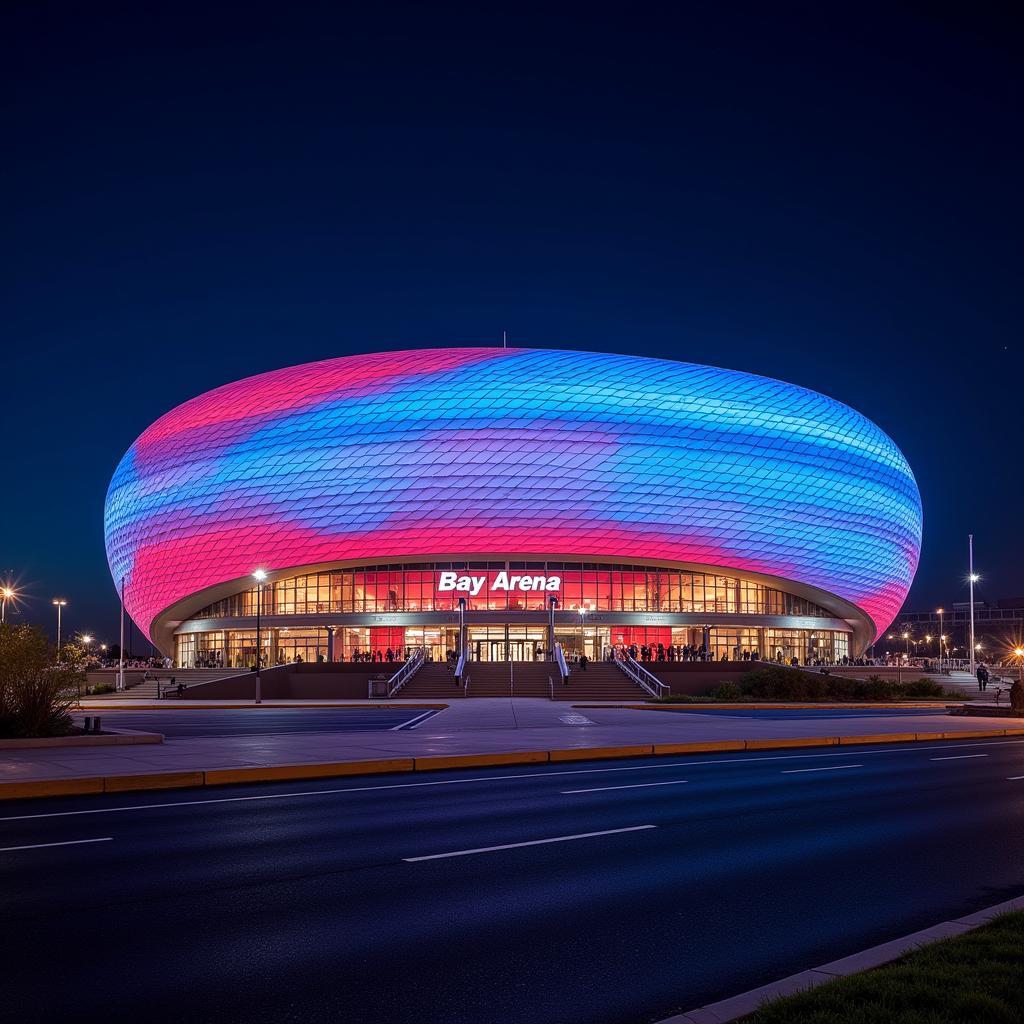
591,500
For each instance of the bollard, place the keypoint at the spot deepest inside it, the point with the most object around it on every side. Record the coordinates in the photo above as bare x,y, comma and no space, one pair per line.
96,724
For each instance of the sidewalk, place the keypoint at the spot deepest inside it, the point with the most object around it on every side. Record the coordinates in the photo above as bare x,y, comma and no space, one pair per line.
482,727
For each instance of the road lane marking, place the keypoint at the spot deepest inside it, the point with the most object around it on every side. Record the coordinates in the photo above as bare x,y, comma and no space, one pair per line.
1015,778
411,724
46,846
830,768
636,785
530,842
957,757
499,778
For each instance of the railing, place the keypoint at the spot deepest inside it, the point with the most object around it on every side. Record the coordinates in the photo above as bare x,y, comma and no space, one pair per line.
644,679
465,685
563,668
460,665
551,688
404,674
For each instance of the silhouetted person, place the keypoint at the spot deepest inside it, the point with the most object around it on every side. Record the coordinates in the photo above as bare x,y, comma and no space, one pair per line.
982,674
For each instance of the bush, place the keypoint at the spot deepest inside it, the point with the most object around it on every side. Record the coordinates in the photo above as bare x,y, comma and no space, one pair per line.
928,688
36,692
783,684
726,691
101,688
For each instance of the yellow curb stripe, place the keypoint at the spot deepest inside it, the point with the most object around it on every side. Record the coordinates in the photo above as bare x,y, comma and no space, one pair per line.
879,737
280,773
797,741
697,747
160,780
428,764
591,753
50,787
170,706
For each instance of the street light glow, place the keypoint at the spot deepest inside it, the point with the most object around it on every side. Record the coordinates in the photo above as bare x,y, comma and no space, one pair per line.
974,577
260,575
86,639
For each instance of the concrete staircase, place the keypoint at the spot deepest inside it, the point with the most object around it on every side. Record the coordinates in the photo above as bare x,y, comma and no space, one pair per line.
137,688
434,681
600,681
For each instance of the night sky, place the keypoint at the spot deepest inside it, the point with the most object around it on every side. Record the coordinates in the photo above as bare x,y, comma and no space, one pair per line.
830,195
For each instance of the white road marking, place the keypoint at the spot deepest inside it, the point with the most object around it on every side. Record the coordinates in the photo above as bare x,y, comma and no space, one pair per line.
830,768
493,778
1015,778
46,846
957,757
411,724
575,720
531,842
636,785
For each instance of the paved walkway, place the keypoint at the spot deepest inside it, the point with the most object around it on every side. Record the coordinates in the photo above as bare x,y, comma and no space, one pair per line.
467,727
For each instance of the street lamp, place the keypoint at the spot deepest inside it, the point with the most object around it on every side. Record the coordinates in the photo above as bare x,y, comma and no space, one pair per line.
583,616
906,636
939,612
972,578
6,594
259,576
59,602
1019,654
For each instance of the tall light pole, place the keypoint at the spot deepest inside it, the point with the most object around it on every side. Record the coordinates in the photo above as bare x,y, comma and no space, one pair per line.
906,636
1019,652
120,653
259,576
59,602
942,637
583,640
6,594
972,578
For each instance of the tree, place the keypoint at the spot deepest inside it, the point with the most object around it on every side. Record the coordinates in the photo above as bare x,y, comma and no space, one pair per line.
36,692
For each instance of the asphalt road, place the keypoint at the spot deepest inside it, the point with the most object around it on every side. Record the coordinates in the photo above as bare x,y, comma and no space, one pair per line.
262,721
444,898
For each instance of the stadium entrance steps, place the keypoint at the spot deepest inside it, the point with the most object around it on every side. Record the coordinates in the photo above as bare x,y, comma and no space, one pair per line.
600,681
139,688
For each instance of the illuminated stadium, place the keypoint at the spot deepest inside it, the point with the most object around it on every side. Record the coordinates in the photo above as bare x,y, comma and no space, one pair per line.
609,500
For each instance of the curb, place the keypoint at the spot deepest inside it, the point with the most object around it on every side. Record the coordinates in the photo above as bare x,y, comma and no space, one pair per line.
936,705
735,1007
278,773
168,706
113,739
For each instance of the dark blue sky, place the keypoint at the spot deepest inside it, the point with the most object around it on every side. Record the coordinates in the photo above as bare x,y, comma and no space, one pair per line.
195,194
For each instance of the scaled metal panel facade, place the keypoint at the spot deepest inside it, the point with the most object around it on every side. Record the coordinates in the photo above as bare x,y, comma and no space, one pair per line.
405,455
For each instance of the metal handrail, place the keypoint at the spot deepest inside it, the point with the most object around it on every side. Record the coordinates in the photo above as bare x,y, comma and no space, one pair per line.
563,668
405,673
460,665
465,686
551,688
645,680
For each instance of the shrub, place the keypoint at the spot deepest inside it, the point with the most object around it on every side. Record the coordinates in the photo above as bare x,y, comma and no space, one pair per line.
876,688
36,692
726,691
783,684
928,688
101,688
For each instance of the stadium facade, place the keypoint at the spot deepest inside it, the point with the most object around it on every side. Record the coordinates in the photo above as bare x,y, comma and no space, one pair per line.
605,499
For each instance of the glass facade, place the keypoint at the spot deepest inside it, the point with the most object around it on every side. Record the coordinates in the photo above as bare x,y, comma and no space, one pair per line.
417,588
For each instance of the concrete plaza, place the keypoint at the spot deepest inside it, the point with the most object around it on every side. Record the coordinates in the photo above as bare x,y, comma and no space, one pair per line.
465,728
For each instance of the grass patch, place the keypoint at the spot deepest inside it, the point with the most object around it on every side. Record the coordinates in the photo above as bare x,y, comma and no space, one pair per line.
975,978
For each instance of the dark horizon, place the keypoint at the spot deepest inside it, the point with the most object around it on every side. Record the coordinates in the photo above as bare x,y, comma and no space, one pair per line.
830,198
